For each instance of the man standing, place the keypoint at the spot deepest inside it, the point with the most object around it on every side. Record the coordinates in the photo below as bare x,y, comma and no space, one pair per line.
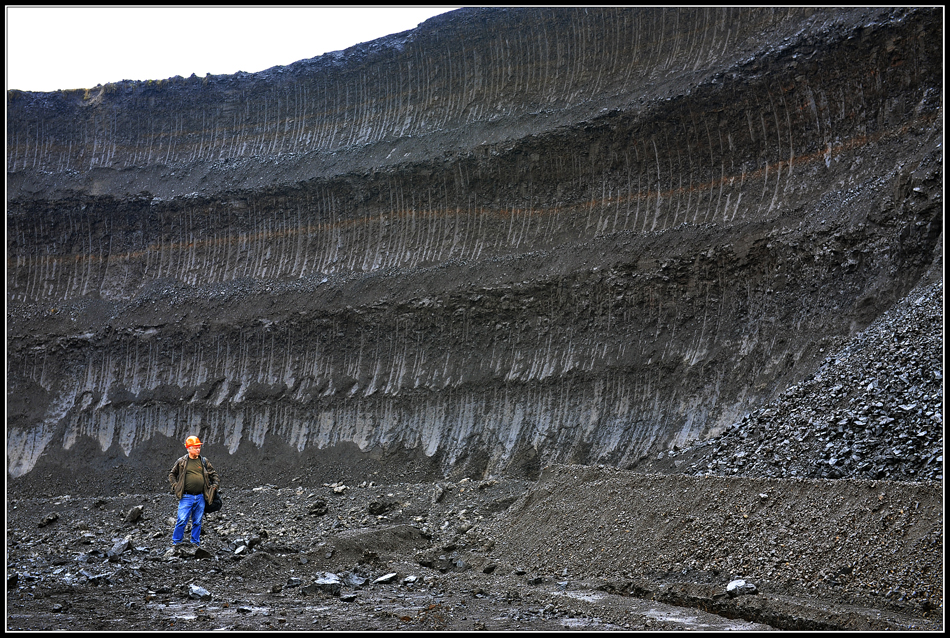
194,481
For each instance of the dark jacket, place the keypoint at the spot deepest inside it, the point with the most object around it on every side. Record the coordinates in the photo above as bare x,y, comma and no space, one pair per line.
176,476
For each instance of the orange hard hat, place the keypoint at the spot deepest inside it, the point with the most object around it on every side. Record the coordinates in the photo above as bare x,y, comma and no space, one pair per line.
192,440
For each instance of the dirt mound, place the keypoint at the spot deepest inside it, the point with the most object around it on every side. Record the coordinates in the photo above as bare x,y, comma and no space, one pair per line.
849,541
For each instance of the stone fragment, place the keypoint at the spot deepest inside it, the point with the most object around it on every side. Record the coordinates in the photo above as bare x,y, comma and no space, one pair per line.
353,579
198,592
134,514
433,560
740,588
185,550
385,578
94,579
328,583
381,506
50,518
120,546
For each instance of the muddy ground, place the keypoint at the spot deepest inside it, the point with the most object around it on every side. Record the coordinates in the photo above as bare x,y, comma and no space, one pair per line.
583,548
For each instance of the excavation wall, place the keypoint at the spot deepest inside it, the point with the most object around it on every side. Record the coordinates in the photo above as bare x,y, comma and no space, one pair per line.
507,238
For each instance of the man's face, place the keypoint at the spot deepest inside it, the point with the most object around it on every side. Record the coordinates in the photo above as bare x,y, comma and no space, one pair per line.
194,451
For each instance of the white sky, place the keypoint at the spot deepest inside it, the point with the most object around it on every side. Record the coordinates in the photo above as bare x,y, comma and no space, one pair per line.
50,48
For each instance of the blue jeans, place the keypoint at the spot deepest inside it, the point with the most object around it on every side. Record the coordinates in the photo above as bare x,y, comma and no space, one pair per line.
193,506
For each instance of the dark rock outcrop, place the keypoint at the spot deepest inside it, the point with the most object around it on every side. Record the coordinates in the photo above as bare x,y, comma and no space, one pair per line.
507,238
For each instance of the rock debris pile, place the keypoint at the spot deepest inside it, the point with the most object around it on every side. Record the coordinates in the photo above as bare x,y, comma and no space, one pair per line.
872,410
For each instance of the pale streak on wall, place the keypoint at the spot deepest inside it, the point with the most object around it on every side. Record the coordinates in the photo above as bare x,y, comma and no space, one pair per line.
529,62
281,248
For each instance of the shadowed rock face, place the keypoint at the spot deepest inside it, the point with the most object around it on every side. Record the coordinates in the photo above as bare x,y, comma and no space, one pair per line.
507,238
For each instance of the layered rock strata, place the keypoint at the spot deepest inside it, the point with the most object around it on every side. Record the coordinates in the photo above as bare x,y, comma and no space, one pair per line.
506,238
